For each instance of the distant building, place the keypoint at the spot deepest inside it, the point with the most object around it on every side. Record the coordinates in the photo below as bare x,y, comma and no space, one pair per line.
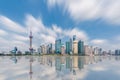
48,51
43,49
88,50
100,51
49,48
117,52
104,53
14,51
58,46
75,47
81,48
38,50
96,50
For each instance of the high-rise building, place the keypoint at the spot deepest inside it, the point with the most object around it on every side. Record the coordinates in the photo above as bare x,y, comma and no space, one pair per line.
117,52
39,50
74,37
62,49
81,48
100,51
50,47
67,47
43,49
58,46
88,50
75,47
71,46
96,50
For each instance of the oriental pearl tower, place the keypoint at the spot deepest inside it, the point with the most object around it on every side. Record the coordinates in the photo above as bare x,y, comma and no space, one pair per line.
31,49
31,59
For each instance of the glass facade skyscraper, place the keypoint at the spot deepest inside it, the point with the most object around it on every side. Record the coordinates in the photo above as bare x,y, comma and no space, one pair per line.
71,45
117,52
74,37
58,46
67,47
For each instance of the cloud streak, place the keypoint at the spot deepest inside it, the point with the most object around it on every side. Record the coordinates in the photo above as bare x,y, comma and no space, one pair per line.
79,10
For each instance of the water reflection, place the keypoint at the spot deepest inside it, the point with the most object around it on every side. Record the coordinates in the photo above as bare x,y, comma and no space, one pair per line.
31,72
58,67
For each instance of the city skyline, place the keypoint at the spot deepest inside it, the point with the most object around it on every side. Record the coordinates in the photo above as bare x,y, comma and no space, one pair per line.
95,22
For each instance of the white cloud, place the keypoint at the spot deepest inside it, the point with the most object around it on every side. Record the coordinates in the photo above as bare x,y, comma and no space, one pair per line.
106,44
98,68
78,10
102,43
57,29
99,41
20,37
11,25
3,33
17,35
45,34
79,34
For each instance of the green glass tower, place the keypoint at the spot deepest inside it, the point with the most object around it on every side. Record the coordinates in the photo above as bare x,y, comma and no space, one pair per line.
67,47
58,46
81,48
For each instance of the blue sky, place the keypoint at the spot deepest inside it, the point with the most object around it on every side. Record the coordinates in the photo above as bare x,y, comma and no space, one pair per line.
96,22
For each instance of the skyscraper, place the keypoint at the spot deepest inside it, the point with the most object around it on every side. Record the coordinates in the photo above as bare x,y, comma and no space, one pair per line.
88,50
67,47
74,37
75,47
58,46
96,50
43,49
71,46
117,52
81,48
39,50
62,49
50,47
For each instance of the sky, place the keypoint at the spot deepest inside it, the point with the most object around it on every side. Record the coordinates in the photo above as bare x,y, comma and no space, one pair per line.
96,22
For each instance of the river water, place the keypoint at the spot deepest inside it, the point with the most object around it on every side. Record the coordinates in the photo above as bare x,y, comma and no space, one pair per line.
59,68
